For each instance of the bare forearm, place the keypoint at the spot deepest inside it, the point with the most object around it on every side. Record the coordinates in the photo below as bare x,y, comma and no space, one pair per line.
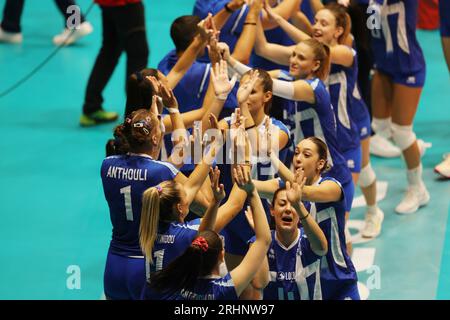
246,41
185,62
284,9
284,172
315,235
209,219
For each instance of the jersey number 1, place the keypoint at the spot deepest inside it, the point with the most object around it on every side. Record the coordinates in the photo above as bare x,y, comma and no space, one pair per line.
126,191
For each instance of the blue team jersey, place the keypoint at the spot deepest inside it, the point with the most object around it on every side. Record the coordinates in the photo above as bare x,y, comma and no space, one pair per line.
125,178
341,83
336,265
232,29
171,241
293,271
191,89
208,288
238,231
395,46
316,120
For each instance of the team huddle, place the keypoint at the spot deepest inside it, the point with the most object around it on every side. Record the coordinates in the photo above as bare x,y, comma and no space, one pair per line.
234,171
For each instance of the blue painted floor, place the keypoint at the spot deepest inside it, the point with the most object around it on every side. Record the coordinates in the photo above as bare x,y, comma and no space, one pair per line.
52,208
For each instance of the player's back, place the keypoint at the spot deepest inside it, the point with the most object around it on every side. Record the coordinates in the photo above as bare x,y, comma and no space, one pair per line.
125,178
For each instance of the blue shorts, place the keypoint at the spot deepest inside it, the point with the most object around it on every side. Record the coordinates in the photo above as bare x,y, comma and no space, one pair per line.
413,79
361,117
444,15
340,290
124,277
353,159
349,192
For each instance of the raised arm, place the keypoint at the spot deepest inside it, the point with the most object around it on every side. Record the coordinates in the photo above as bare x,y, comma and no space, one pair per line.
198,176
188,57
284,9
209,219
299,90
315,235
316,5
221,17
244,45
327,191
293,32
274,52
243,274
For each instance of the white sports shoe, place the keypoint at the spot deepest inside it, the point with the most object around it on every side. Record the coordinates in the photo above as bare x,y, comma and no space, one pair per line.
10,37
415,197
382,147
60,39
443,168
372,226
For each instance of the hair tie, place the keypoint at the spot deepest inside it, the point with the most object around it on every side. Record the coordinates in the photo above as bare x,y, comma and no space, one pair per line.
159,188
201,243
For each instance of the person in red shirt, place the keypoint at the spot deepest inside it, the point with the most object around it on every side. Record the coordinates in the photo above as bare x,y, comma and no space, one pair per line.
123,24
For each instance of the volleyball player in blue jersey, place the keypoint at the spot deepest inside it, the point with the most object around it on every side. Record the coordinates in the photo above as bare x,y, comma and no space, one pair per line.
254,96
396,88
308,106
332,27
195,275
324,198
292,268
125,177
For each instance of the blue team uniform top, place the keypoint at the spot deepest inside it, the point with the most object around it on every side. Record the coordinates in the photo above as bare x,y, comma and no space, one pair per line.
191,89
171,241
232,29
395,47
330,216
207,288
293,271
125,178
308,120
341,84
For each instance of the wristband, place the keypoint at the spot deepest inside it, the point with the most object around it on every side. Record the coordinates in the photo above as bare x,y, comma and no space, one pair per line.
251,127
301,219
173,110
222,97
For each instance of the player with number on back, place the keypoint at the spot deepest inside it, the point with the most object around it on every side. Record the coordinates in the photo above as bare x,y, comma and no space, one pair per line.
195,275
396,88
125,177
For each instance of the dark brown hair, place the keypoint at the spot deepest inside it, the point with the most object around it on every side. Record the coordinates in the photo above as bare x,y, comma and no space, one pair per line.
322,150
183,30
342,19
135,132
195,262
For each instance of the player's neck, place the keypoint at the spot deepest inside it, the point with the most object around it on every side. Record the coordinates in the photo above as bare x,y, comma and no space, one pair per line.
313,181
287,238
258,117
